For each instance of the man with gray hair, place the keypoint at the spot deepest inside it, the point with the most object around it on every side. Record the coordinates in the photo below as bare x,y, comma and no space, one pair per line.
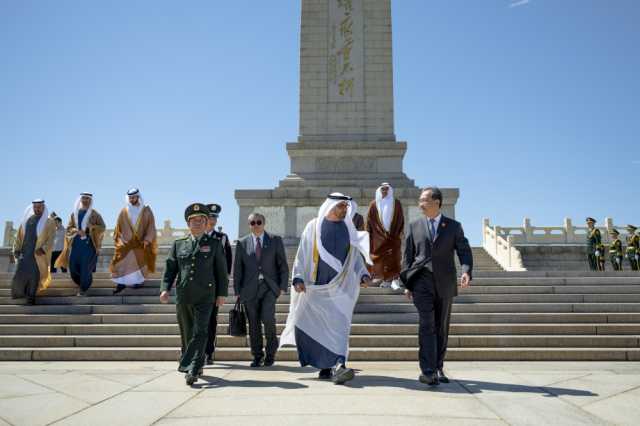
260,276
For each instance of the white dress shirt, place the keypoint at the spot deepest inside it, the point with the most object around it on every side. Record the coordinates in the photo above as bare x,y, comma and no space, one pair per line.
436,223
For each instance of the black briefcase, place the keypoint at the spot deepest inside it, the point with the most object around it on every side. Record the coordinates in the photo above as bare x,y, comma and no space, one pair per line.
237,320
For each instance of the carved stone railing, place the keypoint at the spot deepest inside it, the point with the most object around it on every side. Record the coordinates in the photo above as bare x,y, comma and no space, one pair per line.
545,235
502,242
500,248
166,234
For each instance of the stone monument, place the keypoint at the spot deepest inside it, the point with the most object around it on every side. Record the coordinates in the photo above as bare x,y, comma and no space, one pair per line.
347,141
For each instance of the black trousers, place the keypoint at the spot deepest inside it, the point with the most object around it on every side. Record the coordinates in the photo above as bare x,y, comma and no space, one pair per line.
262,311
54,256
435,316
213,326
193,321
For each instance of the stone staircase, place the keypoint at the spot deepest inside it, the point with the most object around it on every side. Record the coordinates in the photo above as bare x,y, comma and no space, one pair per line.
503,316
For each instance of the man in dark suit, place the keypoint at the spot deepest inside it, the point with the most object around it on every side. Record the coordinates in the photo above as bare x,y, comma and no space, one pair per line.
260,276
214,212
430,278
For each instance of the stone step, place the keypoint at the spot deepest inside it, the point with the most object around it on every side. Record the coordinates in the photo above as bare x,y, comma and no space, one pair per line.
388,318
356,354
69,291
477,281
356,329
134,307
7,276
384,300
405,341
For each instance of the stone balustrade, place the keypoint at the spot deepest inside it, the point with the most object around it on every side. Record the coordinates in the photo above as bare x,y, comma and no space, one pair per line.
166,234
502,242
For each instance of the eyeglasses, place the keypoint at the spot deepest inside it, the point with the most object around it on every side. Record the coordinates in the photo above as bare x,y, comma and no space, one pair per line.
255,222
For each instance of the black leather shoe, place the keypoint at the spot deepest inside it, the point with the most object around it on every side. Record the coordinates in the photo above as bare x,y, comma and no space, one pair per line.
268,362
442,378
209,360
257,362
119,289
429,379
190,379
325,374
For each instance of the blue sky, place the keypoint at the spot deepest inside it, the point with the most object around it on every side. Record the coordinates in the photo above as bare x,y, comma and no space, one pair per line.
530,108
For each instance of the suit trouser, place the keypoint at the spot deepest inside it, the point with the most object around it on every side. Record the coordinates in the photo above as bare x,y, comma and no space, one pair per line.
262,310
213,326
433,330
193,321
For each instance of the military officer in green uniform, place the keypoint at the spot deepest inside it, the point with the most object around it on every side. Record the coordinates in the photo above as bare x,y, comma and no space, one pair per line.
595,248
633,247
616,254
198,266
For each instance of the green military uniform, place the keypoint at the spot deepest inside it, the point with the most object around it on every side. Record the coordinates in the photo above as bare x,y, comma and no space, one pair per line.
595,248
633,247
616,254
198,267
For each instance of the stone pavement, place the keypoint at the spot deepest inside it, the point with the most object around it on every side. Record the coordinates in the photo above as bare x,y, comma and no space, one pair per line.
384,393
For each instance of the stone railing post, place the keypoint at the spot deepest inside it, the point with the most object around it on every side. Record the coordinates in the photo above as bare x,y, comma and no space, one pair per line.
8,234
527,230
608,224
485,225
569,231
509,250
496,230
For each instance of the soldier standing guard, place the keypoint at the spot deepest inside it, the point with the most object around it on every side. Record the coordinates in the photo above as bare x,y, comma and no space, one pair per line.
198,261
633,247
615,250
595,248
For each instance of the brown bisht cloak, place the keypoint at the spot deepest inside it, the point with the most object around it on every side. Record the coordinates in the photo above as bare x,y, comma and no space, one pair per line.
96,232
385,246
130,254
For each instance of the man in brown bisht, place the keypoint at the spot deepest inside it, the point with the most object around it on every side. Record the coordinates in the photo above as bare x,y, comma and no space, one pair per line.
385,224
32,249
136,245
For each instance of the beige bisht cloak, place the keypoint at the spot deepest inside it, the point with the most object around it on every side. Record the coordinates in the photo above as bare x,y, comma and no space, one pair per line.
131,261
44,242
96,227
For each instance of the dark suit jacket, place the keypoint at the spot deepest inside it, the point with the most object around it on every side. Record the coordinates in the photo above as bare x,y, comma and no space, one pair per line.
272,265
437,257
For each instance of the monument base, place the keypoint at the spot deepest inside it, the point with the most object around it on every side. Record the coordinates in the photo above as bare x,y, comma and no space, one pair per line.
318,168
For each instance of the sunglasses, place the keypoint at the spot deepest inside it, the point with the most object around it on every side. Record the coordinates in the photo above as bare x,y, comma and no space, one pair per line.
255,222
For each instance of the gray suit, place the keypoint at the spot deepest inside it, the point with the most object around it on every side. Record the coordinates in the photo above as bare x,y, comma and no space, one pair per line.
429,271
259,295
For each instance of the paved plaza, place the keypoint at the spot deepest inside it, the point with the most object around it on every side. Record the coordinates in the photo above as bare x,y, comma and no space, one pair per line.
386,393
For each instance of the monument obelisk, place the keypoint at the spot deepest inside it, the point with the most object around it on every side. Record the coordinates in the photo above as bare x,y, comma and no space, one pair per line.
347,141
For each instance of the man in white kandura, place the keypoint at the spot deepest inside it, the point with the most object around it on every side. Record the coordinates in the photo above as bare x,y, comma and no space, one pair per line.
136,246
327,273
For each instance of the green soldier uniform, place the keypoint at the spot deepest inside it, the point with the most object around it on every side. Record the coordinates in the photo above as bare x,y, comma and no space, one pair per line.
616,254
198,266
595,248
633,247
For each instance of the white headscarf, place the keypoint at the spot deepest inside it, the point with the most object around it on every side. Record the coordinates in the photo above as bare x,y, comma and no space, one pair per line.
359,239
76,208
28,212
134,211
385,206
